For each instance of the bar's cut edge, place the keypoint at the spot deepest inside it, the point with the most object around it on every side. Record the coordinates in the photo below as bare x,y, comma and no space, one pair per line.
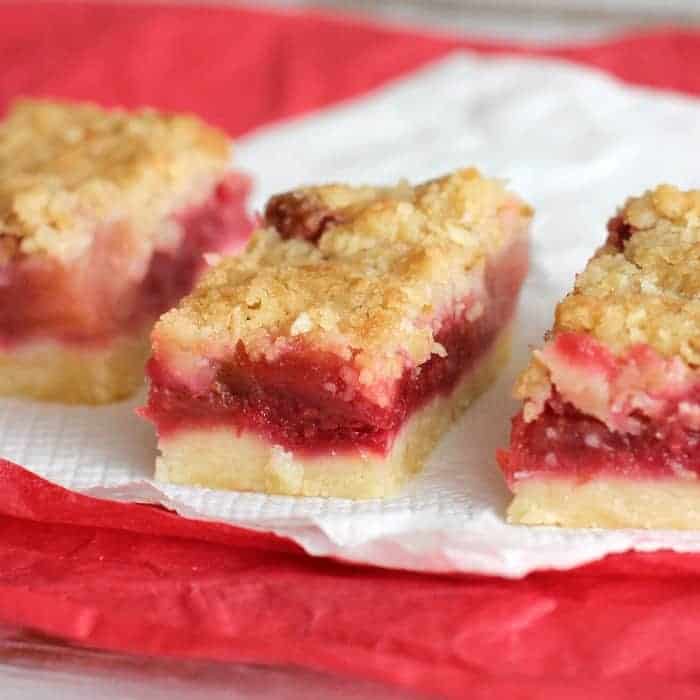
53,371
221,458
607,502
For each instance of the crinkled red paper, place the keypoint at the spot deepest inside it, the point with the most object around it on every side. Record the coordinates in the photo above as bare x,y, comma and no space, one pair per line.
136,578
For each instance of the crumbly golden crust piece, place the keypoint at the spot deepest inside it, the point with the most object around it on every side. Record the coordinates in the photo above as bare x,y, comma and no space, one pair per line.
647,291
385,265
643,286
65,168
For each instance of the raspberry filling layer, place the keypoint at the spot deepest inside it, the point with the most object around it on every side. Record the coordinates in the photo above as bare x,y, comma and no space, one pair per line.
564,443
95,298
302,402
633,416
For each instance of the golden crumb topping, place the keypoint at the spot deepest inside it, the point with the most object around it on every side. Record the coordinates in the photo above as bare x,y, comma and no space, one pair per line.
642,287
66,167
665,203
648,289
385,264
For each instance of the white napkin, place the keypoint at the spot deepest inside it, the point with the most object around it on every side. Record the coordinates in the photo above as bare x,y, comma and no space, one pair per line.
573,142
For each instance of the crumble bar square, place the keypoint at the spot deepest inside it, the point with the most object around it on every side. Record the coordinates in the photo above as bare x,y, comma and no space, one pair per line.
329,358
609,434
104,218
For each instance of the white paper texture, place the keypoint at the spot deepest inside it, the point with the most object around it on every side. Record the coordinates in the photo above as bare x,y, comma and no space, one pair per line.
573,142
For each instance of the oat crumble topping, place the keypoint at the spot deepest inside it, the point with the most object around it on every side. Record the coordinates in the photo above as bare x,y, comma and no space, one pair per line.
370,287
643,290
66,168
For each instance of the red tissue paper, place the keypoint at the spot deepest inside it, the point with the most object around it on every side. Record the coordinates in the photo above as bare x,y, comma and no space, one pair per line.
241,68
134,578
138,579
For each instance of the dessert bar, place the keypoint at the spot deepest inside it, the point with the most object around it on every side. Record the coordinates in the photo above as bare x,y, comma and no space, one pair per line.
329,357
609,433
104,219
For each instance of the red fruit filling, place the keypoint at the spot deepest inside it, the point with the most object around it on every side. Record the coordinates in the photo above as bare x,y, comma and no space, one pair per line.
305,217
563,442
619,232
93,299
301,401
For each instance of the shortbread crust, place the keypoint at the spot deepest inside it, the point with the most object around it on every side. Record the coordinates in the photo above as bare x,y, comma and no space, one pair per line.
51,371
664,504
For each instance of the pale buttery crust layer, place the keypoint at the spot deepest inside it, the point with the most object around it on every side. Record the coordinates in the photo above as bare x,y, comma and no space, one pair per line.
221,458
672,504
67,168
381,267
51,371
640,290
